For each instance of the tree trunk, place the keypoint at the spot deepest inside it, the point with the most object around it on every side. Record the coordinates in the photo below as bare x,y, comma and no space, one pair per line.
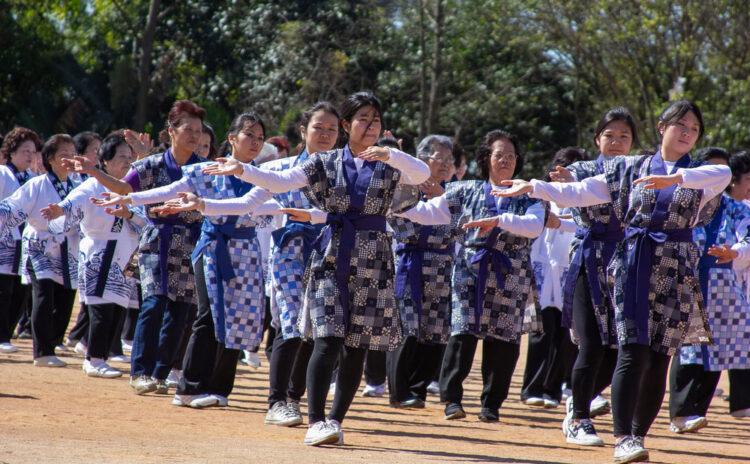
422,73
144,65
437,68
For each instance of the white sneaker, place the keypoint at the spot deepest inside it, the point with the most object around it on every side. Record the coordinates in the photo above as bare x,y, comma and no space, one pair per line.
582,433
321,433
80,348
221,401
568,416
252,359
550,403
61,348
204,401
630,449
687,424
49,361
281,415
293,406
739,414
566,391
173,379
336,425
120,358
8,348
100,368
183,400
127,346
433,388
599,406
374,391
534,401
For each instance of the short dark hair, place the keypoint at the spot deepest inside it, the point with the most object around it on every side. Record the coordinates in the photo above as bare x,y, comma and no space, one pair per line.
677,110
82,140
51,146
239,123
388,142
566,156
618,113
15,138
708,153
318,106
357,101
207,129
108,148
739,163
182,108
484,151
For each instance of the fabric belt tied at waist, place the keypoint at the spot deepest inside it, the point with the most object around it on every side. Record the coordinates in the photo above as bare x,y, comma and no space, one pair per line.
410,271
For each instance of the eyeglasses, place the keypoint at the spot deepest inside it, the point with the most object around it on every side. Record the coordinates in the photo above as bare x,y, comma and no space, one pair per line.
442,159
507,157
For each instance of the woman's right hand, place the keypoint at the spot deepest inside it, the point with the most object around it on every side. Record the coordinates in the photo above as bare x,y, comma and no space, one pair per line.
79,164
561,174
111,199
516,188
185,201
224,167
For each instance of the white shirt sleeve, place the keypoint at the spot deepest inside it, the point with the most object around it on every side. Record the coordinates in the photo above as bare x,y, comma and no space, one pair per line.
432,212
530,224
743,248
275,181
711,178
568,225
245,204
160,194
588,192
413,171
317,216
269,208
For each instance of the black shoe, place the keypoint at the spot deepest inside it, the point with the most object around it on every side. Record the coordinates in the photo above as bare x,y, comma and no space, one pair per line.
489,415
413,403
454,411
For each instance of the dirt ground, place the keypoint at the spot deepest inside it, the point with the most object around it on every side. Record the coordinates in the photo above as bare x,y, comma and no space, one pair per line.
61,416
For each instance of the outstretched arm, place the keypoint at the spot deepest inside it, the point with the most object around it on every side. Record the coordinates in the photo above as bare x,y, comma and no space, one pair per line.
432,212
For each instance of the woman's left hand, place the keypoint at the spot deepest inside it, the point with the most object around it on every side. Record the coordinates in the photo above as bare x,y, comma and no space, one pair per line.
119,211
485,225
722,253
51,211
375,154
297,214
659,182
431,189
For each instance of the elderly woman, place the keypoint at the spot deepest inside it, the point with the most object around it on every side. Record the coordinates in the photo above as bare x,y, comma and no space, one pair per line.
492,285
424,260
659,199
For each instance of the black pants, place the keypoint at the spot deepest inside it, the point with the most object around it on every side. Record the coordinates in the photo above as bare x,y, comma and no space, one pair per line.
595,364
638,388
498,363
208,366
289,359
185,337
52,305
104,320
411,368
319,371
375,367
691,389
24,322
548,358
80,330
131,318
13,296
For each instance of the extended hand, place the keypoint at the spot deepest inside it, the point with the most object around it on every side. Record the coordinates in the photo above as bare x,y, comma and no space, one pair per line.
51,211
297,214
432,189
659,182
485,225
561,174
517,187
224,167
553,221
119,211
185,201
79,164
375,154
111,199
140,143
722,253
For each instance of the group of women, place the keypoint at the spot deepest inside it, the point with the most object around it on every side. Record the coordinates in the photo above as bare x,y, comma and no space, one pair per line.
379,252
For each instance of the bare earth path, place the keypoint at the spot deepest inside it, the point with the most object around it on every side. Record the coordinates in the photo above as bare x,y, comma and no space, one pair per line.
61,416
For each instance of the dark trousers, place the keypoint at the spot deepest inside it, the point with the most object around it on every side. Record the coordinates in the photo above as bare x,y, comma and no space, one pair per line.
129,323
185,337
498,363
319,371
375,367
208,366
548,358
289,360
104,320
160,325
13,296
52,305
411,369
638,388
595,364
691,389
80,330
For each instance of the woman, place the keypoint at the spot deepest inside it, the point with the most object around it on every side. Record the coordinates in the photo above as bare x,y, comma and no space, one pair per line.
227,265
424,259
48,261
167,281
17,152
658,305
696,370
105,251
587,306
349,303
492,281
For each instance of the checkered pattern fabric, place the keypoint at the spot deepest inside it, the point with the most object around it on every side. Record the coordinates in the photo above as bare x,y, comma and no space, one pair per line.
509,311
374,318
677,314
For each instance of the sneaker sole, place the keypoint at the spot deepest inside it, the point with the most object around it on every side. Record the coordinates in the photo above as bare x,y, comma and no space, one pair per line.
640,456
290,423
328,440
143,391
455,415
574,441
534,403
487,420
693,428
